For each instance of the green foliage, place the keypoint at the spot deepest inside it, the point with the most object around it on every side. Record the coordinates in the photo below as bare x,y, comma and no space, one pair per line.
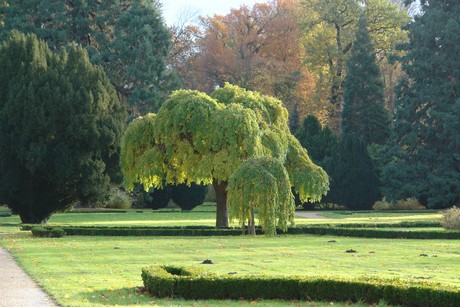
145,231
318,140
128,38
157,198
118,199
48,232
262,184
193,283
188,197
402,204
329,32
196,138
451,218
60,125
364,112
354,182
423,161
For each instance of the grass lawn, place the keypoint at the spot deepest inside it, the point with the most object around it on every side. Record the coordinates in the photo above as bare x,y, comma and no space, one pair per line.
101,271
91,271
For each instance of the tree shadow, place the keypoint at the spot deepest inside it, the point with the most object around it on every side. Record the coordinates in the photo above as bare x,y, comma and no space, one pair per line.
120,297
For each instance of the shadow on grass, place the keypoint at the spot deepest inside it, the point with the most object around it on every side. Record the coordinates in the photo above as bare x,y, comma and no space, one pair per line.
137,296
120,297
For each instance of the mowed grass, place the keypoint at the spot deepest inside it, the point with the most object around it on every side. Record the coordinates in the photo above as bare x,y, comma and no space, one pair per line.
96,271
205,215
101,271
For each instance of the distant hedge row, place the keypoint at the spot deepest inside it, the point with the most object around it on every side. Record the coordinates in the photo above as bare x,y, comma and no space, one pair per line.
194,283
336,230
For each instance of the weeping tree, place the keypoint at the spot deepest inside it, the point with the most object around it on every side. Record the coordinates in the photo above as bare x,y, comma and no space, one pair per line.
196,138
262,184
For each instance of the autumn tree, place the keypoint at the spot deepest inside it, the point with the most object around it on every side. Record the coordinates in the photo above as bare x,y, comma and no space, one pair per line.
329,32
424,159
204,139
60,126
258,48
128,38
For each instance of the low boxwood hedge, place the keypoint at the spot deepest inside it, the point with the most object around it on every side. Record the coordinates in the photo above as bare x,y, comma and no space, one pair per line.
48,232
334,230
194,283
374,233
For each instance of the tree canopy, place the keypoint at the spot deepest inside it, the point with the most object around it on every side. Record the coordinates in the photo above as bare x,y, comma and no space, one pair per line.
424,160
204,139
329,28
262,184
364,113
128,38
354,182
60,125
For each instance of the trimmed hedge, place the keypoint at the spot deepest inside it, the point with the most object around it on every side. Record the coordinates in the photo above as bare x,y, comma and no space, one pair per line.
48,232
336,230
194,283
374,233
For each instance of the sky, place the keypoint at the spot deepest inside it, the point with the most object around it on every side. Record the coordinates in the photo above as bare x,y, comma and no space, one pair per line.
173,9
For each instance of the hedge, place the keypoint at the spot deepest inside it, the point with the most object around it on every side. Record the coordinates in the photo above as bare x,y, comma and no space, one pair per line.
194,283
48,232
336,230
374,233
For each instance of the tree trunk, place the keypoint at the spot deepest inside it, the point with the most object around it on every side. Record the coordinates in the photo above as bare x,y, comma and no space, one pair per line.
221,200
252,226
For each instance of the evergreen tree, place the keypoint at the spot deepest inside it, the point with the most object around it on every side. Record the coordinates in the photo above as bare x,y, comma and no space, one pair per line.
425,154
188,197
319,141
60,125
354,183
364,113
128,38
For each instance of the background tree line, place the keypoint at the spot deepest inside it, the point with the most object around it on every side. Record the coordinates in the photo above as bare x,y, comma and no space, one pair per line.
374,79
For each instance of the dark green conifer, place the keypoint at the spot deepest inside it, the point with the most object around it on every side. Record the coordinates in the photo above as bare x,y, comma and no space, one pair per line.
354,183
424,159
129,39
319,141
60,126
364,112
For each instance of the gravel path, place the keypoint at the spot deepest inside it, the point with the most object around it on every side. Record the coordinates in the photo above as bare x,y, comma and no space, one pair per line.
16,288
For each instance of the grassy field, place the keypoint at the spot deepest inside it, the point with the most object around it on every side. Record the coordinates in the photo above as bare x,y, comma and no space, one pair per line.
101,271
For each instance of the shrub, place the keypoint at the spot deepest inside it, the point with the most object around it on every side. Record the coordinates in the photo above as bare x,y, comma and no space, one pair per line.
349,230
402,204
158,198
191,283
188,197
48,232
451,219
118,199
383,205
409,204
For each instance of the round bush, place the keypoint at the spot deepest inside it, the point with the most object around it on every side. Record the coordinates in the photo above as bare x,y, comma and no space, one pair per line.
188,197
157,198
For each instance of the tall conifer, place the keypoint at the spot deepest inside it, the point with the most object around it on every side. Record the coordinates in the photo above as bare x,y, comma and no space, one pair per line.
425,152
364,113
